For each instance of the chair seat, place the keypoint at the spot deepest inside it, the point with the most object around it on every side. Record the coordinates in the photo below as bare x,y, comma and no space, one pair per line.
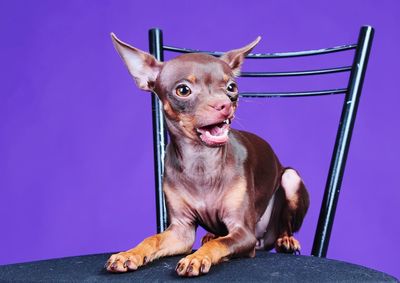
264,267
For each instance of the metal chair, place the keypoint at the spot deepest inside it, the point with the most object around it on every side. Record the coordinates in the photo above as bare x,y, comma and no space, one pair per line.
349,111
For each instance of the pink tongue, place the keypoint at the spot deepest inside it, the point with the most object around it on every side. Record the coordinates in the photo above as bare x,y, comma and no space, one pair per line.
216,131
214,140
214,135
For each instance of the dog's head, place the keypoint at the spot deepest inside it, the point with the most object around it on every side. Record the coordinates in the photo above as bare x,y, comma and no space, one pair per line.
198,91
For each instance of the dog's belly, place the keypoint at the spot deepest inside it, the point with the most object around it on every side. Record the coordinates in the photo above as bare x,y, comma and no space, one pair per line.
263,236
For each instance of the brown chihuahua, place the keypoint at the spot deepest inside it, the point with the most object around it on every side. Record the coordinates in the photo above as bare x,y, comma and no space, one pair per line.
230,182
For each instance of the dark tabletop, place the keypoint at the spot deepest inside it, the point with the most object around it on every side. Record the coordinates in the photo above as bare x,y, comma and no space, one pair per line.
264,267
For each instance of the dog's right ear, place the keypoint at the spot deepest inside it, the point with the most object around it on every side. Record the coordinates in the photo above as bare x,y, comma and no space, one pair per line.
143,67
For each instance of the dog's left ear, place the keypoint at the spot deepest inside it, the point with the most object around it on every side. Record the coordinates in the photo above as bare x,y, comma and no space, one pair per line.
143,67
235,58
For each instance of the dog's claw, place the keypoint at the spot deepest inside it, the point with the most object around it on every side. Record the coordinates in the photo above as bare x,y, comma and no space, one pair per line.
193,265
202,267
190,268
130,265
114,266
123,262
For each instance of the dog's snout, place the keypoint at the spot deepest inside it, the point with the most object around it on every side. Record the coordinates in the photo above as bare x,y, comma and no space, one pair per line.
224,107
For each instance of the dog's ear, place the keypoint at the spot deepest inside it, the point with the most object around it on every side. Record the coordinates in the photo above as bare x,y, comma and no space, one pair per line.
235,58
143,67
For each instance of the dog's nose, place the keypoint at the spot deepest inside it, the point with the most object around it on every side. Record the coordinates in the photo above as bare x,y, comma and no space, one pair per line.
224,107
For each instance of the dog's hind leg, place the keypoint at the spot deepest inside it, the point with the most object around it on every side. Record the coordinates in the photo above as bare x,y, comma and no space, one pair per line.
292,213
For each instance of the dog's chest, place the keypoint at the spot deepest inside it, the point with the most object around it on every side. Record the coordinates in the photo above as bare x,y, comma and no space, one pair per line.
204,171
209,213
213,206
204,184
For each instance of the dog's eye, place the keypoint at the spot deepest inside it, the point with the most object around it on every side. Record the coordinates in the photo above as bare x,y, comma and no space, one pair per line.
183,90
232,87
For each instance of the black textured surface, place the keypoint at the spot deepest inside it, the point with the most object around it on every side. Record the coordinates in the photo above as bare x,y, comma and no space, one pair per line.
264,267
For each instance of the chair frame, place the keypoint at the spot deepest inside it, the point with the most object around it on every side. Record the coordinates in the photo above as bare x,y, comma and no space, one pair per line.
343,136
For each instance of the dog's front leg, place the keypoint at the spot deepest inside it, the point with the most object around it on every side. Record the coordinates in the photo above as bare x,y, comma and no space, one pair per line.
177,239
240,241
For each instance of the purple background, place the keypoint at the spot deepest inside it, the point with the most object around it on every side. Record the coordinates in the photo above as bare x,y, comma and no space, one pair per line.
75,133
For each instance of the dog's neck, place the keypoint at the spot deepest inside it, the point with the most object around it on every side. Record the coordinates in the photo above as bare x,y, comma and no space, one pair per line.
192,156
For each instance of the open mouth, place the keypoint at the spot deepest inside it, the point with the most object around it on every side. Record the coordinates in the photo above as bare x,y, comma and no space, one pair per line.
215,134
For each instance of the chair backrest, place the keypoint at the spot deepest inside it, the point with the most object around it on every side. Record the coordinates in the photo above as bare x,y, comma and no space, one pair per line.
352,95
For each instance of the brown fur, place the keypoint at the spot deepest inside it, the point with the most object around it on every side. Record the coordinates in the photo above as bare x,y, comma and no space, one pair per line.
227,187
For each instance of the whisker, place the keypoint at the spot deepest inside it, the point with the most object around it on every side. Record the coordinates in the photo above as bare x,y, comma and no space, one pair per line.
238,122
262,100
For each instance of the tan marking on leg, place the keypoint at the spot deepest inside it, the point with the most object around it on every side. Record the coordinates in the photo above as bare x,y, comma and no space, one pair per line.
170,242
240,242
200,262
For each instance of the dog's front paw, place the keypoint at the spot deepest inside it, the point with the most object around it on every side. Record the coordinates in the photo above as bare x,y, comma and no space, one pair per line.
125,261
287,244
193,265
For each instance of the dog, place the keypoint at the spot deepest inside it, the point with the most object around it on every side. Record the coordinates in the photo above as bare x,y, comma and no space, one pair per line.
230,182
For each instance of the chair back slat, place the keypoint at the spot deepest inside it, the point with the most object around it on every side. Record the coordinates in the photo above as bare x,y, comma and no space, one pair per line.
293,93
295,73
268,55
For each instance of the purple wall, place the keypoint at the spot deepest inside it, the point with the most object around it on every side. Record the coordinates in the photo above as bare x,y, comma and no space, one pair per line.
75,133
